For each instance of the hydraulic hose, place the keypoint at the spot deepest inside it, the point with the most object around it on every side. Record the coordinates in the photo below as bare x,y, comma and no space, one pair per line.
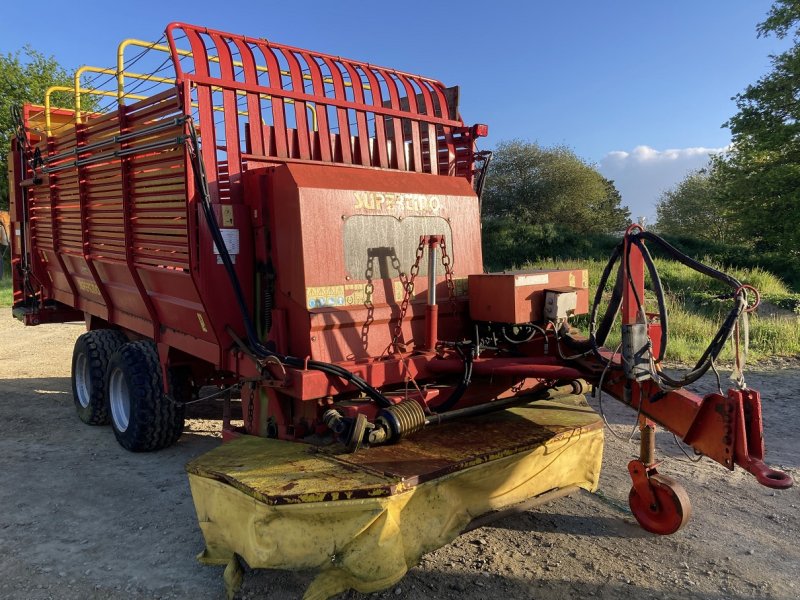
725,331
660,295
598,335
255,345
466,378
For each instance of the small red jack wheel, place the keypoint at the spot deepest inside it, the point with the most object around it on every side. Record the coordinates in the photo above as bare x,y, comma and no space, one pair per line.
670,509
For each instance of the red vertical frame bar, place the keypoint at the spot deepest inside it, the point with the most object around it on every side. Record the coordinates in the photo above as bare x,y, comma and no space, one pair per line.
278,109
399,151
55,228
323,128
128,223
362,153
416,144
176,58
447,131
208,145
253,100
381,145
298,85
633,273
83,198
430,129
230,114
341,113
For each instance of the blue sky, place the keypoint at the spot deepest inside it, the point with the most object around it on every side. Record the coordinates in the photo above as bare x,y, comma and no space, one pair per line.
638,88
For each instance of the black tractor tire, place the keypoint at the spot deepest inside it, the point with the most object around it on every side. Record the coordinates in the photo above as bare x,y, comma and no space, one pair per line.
143,418
90,359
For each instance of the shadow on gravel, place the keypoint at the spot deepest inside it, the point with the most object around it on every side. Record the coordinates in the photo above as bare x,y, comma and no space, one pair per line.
583,525
45,386
426,583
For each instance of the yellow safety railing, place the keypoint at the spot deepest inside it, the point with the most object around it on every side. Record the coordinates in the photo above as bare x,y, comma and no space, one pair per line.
162,48
78,91
120,74
118,95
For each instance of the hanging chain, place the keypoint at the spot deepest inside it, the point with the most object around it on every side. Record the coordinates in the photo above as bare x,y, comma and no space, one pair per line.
448,277
398,267
408,286
251,407
369,289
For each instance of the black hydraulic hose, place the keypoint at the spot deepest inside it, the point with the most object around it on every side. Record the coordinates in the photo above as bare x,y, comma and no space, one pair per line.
729,280
614,306
255,345
660,295
466,378
717,344
611,311
598,335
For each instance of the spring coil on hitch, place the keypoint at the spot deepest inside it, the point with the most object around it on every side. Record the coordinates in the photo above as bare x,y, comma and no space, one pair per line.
402,419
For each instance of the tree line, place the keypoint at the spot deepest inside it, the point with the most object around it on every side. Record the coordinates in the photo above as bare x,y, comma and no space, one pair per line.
546,202
746,204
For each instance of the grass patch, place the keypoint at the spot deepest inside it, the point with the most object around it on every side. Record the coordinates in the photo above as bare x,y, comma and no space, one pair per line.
697,305
5,291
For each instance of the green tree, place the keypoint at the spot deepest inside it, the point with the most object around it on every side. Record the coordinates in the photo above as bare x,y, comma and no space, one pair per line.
760,176
24,77
696,207
536,186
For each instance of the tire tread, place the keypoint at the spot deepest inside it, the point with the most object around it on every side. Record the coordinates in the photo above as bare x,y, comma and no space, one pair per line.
99,345
156,421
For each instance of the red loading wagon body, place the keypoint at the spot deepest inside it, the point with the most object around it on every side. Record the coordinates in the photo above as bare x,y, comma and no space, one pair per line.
305,229
114,229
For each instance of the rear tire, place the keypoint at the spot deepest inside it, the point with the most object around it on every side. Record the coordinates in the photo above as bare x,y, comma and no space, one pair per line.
143,418
90,359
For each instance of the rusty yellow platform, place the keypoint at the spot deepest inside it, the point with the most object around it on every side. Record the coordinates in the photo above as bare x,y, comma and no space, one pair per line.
362,520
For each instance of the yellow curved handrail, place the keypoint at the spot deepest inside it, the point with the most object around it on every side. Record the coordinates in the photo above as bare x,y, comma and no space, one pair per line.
61,88
121,74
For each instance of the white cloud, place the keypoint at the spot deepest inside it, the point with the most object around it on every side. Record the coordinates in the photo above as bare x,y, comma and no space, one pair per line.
642,174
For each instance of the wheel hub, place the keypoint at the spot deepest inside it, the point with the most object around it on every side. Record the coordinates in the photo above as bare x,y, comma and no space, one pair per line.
82,382
119,399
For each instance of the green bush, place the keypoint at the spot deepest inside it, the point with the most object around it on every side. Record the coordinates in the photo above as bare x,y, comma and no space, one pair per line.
508,244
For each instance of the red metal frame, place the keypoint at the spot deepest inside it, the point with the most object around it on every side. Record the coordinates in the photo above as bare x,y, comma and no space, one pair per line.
727,429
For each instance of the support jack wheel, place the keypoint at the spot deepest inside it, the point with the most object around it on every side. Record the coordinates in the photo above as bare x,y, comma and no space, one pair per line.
663,507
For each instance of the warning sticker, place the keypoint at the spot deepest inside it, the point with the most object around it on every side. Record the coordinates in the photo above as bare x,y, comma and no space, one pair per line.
231,239
355,294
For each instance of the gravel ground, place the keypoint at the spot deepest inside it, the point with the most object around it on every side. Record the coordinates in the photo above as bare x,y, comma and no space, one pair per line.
81,518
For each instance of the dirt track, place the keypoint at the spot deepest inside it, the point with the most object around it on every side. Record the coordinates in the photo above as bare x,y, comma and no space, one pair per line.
82,518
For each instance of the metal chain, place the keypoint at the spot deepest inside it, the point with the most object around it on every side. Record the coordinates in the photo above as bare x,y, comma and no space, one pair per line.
19,131
398,267
408,286
251,407
448,277
369,288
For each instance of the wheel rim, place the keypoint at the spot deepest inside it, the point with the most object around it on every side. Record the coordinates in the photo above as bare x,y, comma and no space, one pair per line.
82,384
671,511
120,400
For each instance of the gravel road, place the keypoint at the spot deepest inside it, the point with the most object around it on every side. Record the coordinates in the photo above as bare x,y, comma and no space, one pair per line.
81,518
